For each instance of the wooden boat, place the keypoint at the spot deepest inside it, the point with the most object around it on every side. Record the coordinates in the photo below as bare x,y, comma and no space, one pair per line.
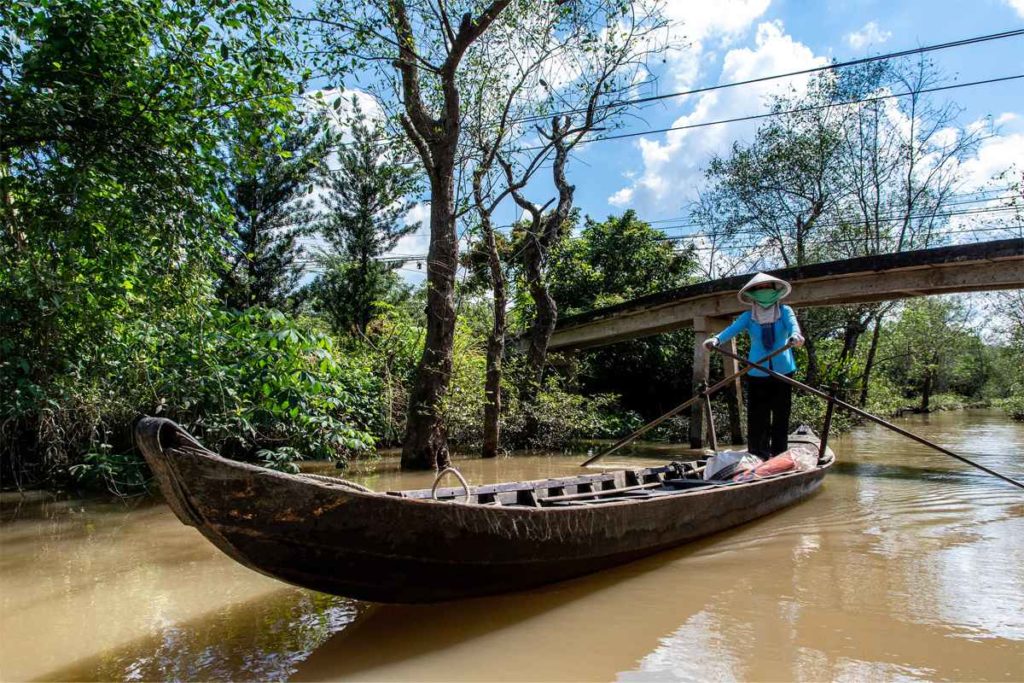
407,546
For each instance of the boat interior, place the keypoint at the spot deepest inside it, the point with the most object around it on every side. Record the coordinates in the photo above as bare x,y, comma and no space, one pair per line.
584,490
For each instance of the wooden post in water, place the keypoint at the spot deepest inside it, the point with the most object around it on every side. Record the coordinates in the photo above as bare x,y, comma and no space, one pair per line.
704,327
701,367
734,398
712,436
829,409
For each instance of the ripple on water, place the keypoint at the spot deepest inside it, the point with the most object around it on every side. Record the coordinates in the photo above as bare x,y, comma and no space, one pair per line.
905,566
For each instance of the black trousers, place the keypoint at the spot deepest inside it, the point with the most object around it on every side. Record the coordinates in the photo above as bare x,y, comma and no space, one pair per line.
769,404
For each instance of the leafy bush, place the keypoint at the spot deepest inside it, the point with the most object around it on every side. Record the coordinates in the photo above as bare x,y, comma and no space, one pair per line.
256,385
1014,406
120,473
259,380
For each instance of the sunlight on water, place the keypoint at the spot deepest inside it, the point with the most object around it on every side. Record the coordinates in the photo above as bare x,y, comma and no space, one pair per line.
906,566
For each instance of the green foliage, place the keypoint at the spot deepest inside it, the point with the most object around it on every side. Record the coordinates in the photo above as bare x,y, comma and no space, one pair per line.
1014,406
566,418
350,294
929,348
258,379
614,260
119,473
110,172
255,385
273,166
367,200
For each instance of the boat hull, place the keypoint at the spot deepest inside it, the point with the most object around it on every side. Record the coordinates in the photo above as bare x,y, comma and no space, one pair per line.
386,548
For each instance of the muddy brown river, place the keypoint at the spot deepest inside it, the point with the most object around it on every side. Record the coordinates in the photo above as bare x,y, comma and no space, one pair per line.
907,565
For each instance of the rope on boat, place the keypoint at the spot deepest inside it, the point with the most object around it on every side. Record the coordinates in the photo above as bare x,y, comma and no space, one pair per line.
336,481
440,475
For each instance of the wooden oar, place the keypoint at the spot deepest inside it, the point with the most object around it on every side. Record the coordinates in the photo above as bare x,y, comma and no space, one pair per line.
869,416
678,409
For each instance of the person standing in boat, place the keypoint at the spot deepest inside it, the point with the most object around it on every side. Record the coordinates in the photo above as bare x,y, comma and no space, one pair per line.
770,325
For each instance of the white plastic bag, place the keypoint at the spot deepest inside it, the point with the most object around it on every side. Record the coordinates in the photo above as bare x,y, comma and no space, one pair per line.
719,461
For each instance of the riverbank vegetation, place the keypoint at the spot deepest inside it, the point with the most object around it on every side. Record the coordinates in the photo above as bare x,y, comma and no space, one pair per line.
181,236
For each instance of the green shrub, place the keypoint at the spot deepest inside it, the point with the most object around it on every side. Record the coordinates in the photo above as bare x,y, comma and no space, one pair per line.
255,385
1013,406
259,380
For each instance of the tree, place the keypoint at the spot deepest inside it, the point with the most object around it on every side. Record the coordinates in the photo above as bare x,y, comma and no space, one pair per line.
501,100
616,260
366,200
609,57
901,165
927,344
415,50
775,190
111,133
416,55
845,169
273,166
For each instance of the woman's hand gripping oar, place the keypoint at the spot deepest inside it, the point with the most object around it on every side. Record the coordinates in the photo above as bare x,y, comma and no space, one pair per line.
679,408
865,414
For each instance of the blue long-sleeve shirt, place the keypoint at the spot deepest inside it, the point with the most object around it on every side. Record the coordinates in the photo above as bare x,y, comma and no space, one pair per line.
783,328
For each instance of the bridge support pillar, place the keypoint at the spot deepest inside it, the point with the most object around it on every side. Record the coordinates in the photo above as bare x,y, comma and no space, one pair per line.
703,327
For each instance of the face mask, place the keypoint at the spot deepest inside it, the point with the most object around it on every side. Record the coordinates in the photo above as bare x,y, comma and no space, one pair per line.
765,297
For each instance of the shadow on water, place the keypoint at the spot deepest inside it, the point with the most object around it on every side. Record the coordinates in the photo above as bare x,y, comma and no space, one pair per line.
897,569
406,637
304,635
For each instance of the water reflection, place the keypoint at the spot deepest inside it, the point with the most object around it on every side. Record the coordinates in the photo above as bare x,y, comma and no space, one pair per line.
906,565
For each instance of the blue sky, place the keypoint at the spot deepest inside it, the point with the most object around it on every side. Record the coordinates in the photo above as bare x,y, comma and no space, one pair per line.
657,175
785,36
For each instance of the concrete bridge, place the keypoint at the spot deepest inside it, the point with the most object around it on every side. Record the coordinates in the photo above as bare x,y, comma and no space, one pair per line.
709,306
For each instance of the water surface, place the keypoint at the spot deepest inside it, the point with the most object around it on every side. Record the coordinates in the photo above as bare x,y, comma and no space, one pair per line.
907,565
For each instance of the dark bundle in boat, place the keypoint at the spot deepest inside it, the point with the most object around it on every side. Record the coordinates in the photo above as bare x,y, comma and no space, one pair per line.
407,546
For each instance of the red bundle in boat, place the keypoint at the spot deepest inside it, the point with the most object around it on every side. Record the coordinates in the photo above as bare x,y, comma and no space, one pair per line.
783,462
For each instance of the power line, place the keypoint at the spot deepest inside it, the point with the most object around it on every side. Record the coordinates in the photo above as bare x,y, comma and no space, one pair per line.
891,218
422,258
802,72
690,225
975,193
798,110
833,223
845,240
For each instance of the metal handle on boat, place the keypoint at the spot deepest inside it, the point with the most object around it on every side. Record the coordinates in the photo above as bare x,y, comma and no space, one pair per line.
866,414
440,475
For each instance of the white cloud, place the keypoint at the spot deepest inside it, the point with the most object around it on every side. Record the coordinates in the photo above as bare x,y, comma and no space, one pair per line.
1018,6
673,164
700,24
416,242
1006,117
995,155
869,34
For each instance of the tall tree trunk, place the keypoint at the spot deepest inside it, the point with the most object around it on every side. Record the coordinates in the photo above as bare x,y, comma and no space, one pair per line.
495,349
545,232
869,363
426,438
539,336
543,324
852,332
436,141
926,391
